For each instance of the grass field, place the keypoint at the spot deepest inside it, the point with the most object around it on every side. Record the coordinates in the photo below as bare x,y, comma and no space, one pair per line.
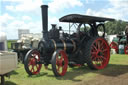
118,65
9,43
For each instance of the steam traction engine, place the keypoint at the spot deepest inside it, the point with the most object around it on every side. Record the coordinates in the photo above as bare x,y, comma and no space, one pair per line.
120,44
62,49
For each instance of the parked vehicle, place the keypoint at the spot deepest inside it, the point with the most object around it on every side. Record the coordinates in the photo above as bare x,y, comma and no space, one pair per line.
120,44
24,44
78,48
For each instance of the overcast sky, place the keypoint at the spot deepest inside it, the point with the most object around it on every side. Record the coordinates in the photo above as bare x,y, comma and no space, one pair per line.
26,14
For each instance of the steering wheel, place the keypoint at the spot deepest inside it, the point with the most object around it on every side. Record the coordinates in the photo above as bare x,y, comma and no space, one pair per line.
99,26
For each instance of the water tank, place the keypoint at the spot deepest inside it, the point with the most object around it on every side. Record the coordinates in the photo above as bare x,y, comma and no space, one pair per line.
3,41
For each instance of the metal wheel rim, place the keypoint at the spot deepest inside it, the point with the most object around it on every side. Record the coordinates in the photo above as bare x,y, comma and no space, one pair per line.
61,63
34,68
100,53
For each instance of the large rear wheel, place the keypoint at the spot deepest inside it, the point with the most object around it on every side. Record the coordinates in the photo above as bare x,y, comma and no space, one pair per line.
97,53
59,63
30,62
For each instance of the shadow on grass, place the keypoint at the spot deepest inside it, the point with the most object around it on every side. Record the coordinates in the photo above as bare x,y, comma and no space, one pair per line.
14,73
38,75
73,73
112,70
10,83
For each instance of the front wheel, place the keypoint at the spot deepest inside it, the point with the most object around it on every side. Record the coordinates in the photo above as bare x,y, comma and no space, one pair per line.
30,62
59,63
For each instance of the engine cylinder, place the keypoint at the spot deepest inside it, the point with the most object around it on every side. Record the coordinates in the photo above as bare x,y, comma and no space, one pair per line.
68,45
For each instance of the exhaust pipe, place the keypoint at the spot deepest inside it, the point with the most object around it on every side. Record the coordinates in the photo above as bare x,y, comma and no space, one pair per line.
44,9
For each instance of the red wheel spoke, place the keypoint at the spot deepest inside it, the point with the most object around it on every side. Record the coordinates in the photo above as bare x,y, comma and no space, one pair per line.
101,45
105,50
32,66
100,53
101,61
93,53
94,59
95,47
61,59
98,60
37,66
29,63
57,63
98,43
58,69
57,60
33,69
61,63
57,57
103,57
93,50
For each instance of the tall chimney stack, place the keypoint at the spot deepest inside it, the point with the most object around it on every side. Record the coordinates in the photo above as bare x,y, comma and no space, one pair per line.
44,9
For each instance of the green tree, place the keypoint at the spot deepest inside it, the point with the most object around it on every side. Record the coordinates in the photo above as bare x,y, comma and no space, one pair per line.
115,27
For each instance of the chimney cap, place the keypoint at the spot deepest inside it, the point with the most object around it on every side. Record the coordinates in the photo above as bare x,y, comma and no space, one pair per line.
44,6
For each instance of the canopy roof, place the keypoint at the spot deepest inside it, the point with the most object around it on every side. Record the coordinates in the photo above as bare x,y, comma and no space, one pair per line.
77,18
